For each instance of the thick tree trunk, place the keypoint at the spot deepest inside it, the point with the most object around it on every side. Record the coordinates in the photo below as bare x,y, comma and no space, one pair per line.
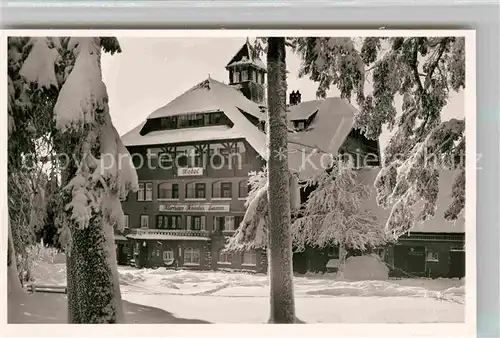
93,289
280,240
92,277
13,283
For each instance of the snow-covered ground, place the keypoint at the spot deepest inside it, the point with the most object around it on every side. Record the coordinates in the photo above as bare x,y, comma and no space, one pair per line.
235,297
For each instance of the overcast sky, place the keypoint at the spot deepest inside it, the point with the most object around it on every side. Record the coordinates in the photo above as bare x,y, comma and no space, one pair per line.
151,72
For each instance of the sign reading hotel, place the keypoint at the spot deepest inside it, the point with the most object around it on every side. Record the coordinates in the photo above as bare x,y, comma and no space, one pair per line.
194,207
198,171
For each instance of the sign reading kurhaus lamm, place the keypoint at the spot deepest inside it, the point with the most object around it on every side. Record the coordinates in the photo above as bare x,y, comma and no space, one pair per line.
195,207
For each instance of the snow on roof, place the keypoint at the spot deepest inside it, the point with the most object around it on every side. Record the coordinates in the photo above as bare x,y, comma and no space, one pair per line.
304,110
209,95
174,136
255,62
245,56
437,224
311,149
120,238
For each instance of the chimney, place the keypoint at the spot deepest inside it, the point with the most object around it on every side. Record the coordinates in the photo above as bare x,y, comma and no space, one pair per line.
293,98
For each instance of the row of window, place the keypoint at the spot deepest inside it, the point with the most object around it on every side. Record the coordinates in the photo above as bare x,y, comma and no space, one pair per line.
248,258
193,190
430,256
175,222
192,256
191,120
255,76
216,155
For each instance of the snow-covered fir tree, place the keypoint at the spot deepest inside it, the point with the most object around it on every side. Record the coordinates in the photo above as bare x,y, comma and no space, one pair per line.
419,71
252,232
70,69
27,203
335,214
29,119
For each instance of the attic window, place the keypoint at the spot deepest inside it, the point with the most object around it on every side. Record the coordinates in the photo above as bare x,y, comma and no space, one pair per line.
299,125
215,118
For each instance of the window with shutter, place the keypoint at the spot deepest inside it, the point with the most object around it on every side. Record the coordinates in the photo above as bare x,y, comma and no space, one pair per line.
243,189
200,190
196,223
229,223
175,191
164,190
237,221
219,223
226,190
140,192
216,189
149,192
175,222
203,226
159,221
190,190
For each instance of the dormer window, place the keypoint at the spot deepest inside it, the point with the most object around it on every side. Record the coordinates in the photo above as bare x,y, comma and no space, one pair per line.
299,125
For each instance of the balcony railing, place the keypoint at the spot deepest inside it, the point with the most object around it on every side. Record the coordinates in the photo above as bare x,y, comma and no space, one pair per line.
184,233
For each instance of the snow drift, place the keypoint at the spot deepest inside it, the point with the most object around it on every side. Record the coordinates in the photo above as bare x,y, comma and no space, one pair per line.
369,267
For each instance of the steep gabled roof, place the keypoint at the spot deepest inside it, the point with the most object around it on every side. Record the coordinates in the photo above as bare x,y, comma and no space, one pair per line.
209,95
245,56
437,224
326,133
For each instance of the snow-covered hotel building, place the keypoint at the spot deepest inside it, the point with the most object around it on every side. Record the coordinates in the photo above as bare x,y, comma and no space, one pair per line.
193,157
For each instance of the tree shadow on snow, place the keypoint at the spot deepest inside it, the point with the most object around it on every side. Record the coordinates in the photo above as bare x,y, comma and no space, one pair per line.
48,308
140,314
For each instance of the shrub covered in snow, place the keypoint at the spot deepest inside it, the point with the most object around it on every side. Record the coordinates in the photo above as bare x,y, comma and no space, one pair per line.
35,254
